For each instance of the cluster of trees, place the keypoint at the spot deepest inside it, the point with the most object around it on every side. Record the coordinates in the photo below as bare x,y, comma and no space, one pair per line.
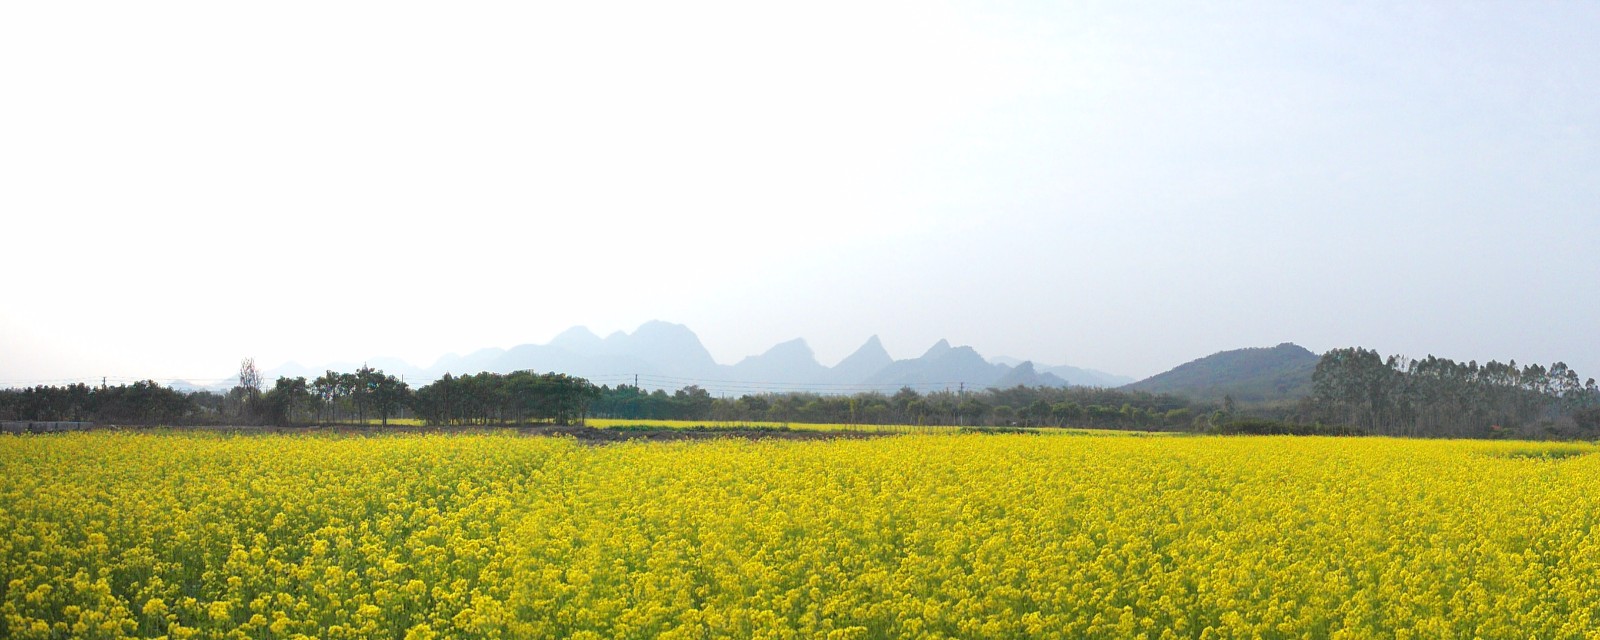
484,398
1438,397
1018,406
524,396
492,398
334,397
144,402
1354,390
633,403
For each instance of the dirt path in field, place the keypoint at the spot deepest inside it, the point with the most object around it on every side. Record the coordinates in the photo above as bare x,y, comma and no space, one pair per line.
583,434
591,435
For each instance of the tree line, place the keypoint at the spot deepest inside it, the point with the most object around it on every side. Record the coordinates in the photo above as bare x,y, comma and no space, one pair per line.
525,397
143,402
481,399
334,397
1354,391
1015,406
514,398
1439,397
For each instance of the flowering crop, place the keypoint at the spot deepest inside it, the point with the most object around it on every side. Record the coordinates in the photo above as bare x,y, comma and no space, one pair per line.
107,535
608,423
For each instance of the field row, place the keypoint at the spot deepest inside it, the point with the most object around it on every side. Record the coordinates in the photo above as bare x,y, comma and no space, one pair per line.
112,535
759,425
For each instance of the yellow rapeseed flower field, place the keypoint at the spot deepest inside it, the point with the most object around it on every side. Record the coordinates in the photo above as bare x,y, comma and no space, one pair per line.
107,535
608,423
703,425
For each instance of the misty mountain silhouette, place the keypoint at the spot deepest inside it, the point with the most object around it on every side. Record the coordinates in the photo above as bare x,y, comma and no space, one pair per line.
669,356
1074,376
942,366
1025,375
788,362
867,360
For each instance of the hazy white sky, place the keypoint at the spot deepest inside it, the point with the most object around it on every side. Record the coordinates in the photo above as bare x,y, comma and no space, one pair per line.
1122,186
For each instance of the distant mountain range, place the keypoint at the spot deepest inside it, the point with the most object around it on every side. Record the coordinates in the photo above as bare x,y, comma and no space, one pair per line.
1075,376
663,355
1248,375
669,356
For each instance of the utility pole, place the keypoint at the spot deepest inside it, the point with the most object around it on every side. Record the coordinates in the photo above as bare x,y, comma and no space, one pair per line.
635,382
961,395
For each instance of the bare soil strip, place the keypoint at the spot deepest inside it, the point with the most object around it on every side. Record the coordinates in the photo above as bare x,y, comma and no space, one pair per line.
583,434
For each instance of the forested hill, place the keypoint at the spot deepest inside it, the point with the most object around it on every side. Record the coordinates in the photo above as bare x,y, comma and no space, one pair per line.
1248,375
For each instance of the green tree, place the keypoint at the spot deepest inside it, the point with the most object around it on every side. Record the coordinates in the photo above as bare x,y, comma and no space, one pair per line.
387,394
326,390
1066,412
280,404
361,384
1038,412
1003,415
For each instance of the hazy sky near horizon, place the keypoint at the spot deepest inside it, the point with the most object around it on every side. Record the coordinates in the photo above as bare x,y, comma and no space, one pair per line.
1120,186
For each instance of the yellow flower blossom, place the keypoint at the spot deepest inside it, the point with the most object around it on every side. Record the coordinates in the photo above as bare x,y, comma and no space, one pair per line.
1051,535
